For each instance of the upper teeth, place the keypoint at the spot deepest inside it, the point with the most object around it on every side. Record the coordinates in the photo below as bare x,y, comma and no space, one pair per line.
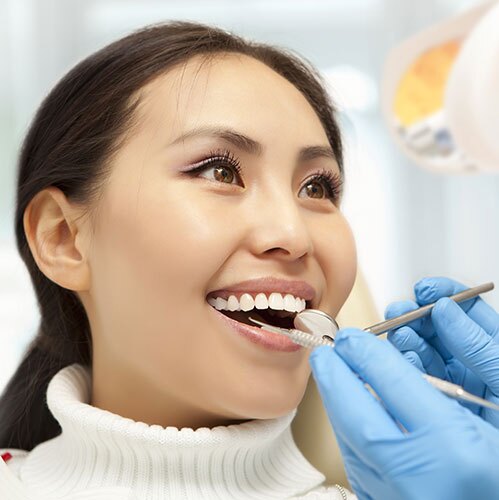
247,302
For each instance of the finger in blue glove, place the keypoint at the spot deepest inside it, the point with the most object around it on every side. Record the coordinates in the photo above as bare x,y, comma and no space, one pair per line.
405,339
430,289
414,359
423,326
471,344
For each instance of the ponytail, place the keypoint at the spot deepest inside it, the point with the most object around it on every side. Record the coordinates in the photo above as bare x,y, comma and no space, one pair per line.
62,339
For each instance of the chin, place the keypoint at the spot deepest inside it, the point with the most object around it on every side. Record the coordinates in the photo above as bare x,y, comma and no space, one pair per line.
269,413
269,408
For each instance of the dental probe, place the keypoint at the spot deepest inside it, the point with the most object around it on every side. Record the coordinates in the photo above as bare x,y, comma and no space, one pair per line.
308,340
390,324
319,323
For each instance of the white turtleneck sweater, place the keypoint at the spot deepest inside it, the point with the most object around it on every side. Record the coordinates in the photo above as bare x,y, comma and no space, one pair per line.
102,456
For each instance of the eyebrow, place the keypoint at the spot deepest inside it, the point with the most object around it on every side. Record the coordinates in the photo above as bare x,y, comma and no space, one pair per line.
249,145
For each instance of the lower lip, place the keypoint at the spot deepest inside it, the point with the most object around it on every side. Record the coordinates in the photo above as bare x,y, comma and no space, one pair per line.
270,340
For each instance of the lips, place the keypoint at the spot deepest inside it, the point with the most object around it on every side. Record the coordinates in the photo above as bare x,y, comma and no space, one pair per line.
267,285
269,340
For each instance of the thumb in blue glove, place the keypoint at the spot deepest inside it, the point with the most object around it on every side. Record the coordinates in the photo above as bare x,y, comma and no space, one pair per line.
417,443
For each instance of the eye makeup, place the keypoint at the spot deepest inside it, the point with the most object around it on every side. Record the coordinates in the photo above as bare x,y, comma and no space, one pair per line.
331,181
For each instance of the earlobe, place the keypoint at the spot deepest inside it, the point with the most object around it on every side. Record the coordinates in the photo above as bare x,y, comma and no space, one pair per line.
52,234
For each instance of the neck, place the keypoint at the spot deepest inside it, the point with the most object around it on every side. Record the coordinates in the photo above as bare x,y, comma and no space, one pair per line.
98,448
179,414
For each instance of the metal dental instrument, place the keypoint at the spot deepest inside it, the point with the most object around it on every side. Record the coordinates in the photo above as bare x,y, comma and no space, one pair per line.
390,324
316,322
309,340
315,327
320,323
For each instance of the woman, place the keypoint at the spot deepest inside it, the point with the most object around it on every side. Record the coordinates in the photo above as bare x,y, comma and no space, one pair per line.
177,173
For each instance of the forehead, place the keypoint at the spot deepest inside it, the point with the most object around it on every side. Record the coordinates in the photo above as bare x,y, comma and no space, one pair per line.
232,90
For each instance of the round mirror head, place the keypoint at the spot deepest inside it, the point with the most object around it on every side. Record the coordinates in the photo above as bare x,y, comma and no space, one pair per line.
316,322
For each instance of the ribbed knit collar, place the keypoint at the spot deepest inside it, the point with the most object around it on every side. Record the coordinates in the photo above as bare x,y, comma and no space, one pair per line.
99,449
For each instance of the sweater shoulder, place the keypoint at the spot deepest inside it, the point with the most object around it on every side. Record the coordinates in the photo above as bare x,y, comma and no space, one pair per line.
10,464
12,488
14,458
11,460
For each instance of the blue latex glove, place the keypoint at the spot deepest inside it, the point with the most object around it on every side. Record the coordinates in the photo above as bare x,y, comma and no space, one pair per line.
445,451
458,342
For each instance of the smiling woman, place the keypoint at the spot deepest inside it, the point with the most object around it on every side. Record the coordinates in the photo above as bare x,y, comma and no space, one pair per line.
178,172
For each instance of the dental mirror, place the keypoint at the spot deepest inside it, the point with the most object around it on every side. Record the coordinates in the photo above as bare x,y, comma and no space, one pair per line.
316,322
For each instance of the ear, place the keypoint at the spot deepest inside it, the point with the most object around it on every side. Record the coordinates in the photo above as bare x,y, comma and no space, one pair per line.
56,237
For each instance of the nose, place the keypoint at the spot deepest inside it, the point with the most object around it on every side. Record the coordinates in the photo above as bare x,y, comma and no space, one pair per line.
279,225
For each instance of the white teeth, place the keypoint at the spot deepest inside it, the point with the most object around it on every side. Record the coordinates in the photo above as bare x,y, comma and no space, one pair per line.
233,303
299,304
219,303
276,301
247,302
261,301
289,303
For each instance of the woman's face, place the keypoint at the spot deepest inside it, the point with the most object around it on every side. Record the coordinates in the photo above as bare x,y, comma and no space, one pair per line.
165,238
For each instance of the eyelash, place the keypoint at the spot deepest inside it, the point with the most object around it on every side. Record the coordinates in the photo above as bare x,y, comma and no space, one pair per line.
332,181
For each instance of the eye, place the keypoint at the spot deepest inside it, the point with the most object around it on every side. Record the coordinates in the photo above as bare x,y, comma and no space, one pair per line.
223,164
329,184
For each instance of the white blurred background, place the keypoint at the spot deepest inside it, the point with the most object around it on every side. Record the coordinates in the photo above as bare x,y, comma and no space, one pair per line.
408,222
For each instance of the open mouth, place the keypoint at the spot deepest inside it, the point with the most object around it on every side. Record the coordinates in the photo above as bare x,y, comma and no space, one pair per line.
281,319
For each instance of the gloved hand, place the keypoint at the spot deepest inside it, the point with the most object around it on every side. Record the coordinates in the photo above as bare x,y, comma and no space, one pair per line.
445,451
458,342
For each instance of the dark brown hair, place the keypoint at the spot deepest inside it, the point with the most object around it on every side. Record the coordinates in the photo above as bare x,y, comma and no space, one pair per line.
69,145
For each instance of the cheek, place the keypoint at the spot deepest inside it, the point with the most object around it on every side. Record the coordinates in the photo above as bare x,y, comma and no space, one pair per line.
339,261
183,236
154,257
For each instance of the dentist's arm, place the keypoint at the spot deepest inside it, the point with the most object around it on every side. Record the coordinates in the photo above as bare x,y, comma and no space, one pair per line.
458,342
445,451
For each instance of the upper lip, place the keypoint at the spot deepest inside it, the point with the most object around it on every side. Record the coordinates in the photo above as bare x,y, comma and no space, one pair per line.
268,284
